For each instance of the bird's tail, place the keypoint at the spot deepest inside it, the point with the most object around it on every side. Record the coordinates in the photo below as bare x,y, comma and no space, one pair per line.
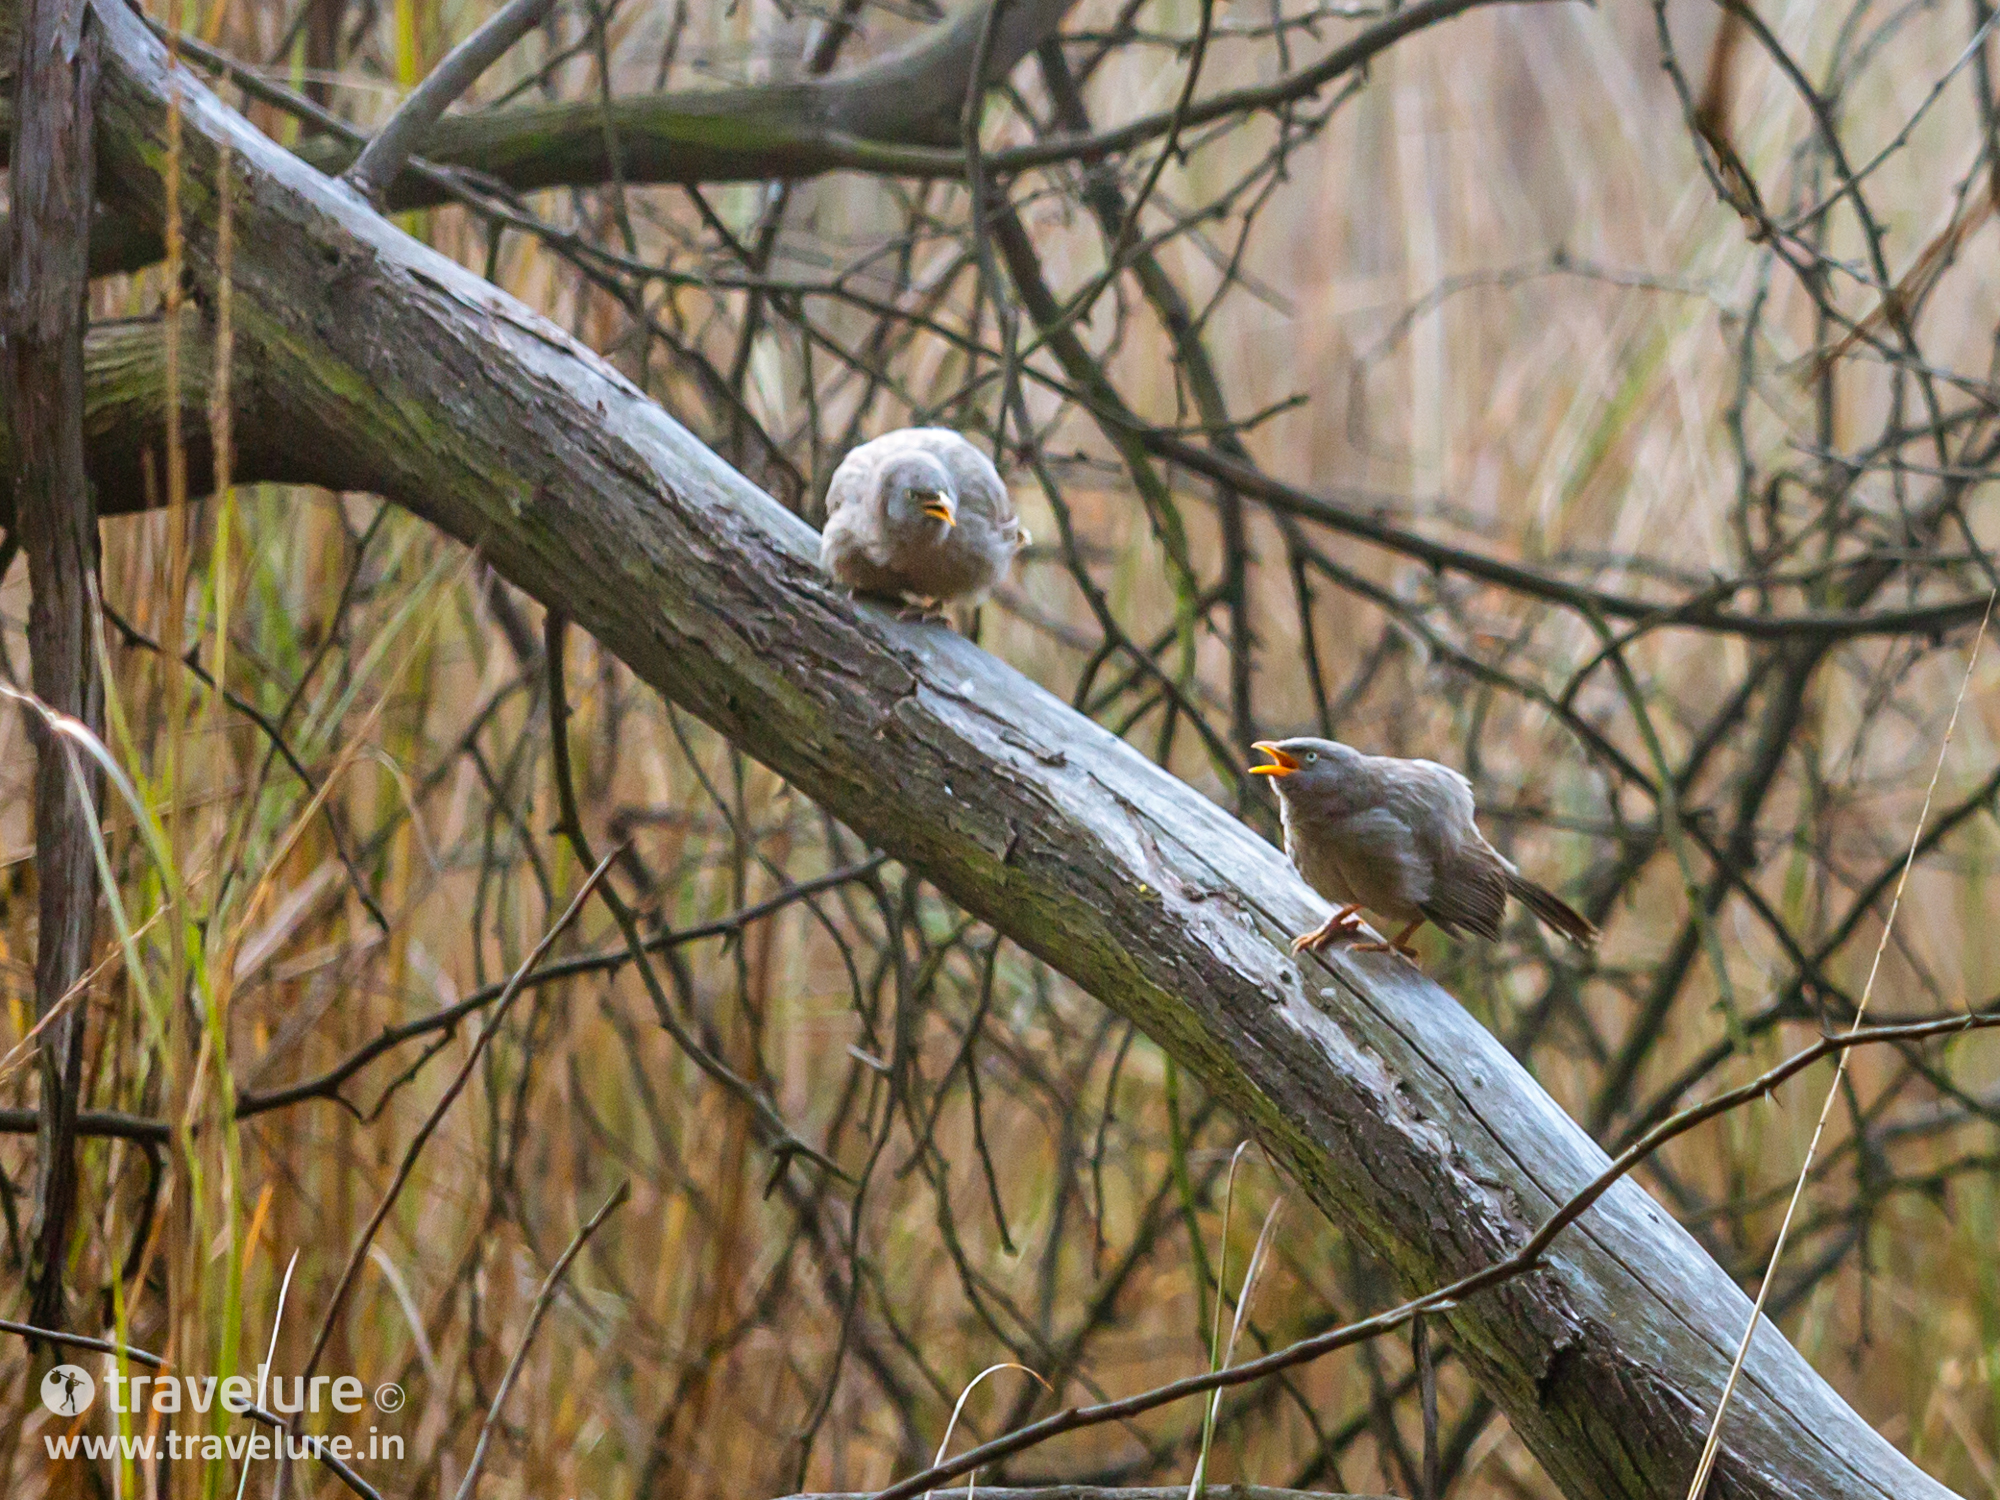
1555,913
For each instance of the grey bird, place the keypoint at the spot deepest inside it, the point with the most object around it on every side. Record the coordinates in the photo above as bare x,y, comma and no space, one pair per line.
919,514
1396,837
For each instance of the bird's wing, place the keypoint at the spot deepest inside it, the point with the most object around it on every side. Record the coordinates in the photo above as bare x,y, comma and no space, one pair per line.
1380,858
996,502
1434,800
853,483
1440,786
855,525
1469,890
1467,885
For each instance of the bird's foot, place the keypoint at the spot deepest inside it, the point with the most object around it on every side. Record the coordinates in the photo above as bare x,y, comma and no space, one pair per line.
1342,924
908,610
1400,943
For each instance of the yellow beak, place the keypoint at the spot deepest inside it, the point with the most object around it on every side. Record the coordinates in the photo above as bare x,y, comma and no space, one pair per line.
939,508
1281,763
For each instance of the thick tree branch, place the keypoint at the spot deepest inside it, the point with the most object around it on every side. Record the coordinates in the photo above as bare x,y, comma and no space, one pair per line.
897,116
1391,1108
125,417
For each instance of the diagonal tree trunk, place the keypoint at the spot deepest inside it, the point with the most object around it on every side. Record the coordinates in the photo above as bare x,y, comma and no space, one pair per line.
1393,1111
41,387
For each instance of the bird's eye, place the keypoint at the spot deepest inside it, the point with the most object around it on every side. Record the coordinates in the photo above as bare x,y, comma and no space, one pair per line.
1311,756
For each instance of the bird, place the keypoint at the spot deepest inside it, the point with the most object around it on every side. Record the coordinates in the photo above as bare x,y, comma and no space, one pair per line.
922,514
1397,838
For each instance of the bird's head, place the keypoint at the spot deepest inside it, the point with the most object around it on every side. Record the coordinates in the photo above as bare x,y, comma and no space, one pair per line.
917,491
1302,766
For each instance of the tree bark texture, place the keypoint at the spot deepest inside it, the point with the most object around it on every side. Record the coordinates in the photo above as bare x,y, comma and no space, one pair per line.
41,387
125,417
1391,1109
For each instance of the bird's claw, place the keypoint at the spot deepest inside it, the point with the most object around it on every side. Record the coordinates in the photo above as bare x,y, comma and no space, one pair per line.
908,611
1340,924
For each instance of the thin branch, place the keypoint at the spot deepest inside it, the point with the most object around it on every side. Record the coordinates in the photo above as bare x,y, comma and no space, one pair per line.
778,1137
1713,1443
383,158
445,1101
276,738
609,960
543,1299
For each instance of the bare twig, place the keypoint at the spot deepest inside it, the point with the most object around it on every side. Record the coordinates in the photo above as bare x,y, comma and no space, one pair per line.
274,735
1713,1443
543,1299
389,152
444,1103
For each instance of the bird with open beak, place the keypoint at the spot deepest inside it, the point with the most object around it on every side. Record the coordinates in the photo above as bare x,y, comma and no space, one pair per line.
919,514
1397,838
